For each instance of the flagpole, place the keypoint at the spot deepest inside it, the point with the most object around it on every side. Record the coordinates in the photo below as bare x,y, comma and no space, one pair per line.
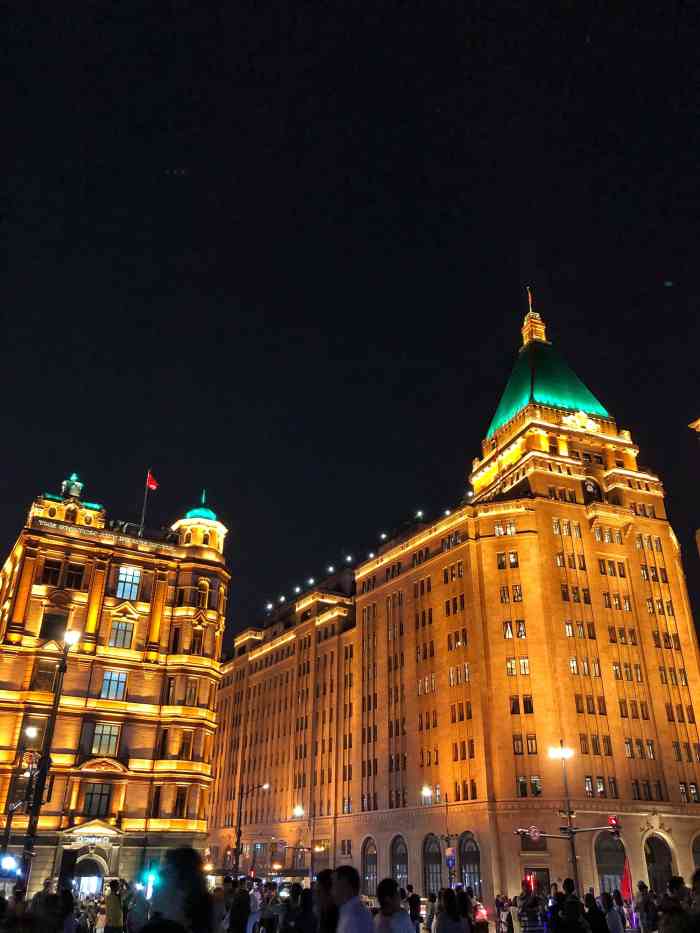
145,501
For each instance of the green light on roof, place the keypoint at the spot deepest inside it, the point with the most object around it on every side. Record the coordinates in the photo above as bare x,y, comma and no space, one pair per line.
203,510
540,375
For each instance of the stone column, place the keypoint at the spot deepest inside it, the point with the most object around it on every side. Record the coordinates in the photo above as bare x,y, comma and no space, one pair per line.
98,585
15,628
160,593
193,801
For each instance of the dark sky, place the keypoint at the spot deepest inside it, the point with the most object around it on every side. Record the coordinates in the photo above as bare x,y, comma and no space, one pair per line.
279,250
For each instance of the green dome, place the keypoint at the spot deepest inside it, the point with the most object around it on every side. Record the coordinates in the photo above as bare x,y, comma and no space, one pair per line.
540,375
201,512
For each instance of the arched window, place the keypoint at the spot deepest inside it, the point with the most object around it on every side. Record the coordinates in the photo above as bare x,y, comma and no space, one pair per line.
432,865
369,867
188,537
205,539
71,514
399,861
470,862
659,863
610,861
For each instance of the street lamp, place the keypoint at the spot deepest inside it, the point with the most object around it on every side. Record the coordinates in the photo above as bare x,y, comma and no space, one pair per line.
563,754
242,794
35,795
298,811
426,792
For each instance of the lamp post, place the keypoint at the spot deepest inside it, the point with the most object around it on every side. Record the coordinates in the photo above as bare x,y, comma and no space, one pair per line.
563,753
298,812
242,794
426,793
35,795
29,771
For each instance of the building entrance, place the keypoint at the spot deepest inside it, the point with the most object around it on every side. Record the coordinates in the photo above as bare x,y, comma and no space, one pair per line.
659,863
89,877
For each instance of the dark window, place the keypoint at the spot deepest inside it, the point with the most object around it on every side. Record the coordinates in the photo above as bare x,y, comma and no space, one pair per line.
44,675
53,626
51,573
74,576
97,799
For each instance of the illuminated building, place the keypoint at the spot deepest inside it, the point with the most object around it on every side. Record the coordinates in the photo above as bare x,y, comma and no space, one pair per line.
549,606
131,755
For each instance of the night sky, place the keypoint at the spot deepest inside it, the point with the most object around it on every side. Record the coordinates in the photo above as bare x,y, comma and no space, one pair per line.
280,250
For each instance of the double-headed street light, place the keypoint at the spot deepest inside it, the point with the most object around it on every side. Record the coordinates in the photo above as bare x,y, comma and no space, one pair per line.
563,754
239,813
35,796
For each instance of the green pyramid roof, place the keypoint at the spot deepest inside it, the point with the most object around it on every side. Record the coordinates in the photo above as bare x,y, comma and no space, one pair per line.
541,375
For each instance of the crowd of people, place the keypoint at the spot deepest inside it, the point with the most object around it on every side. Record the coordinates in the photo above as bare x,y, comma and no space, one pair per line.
182,903
676,910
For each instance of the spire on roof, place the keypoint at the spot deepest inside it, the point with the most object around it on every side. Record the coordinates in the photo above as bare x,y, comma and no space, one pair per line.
533,325
204,497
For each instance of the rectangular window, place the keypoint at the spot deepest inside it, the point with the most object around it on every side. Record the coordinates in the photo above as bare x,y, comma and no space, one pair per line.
612,787
51,572
511,669
532,744
105,739
524,666
53,625
505,595
517,593
583,741
517,745
507,629
573,665
588,785
578,698
113,685
97,799
501,560
74,576
513,558
528,706
128,580
121,634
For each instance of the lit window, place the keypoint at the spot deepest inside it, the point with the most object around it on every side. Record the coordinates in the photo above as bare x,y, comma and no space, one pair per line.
105,738
128,583
121,634
113,685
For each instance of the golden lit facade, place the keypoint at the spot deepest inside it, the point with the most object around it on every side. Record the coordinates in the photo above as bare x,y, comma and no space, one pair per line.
131,752
549,607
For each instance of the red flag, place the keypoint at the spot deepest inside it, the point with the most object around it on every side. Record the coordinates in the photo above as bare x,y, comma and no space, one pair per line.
626,885
151,481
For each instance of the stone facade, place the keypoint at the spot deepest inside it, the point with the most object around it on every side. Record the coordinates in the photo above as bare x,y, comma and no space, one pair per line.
412,721
131,751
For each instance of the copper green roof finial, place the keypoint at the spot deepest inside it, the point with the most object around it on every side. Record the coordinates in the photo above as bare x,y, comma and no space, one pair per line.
202,510
529,297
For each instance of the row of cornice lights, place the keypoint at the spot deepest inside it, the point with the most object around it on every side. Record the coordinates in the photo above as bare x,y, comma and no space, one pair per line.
331,568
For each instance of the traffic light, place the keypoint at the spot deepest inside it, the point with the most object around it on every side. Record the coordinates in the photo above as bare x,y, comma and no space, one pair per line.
614,826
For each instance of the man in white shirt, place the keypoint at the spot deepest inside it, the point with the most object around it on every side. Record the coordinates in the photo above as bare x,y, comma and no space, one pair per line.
353,916
391,917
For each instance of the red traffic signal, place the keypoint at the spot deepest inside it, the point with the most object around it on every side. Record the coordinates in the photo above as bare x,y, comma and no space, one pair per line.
614,826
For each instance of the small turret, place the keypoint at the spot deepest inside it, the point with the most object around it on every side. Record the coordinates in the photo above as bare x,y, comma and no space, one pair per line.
201,528
69,506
